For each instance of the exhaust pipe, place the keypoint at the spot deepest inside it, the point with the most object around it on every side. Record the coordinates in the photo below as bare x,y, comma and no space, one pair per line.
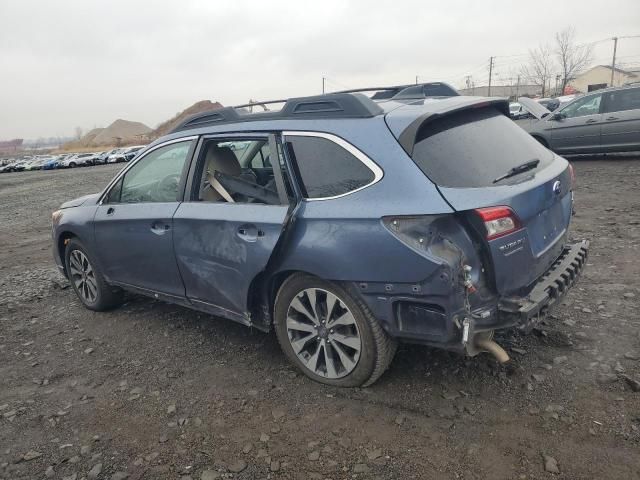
489,346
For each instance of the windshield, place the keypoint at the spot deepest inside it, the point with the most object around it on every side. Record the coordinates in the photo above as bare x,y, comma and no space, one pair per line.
471,148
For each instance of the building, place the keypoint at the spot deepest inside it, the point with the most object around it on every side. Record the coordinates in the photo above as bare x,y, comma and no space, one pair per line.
510,91
600,77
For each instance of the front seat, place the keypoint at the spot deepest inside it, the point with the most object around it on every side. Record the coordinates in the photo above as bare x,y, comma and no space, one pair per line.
218,159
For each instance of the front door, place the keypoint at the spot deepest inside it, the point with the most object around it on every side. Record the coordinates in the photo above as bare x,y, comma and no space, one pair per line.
577,127
225,235
134,226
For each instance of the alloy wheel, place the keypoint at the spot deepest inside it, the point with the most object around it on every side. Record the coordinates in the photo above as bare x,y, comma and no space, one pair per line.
83,276
323,333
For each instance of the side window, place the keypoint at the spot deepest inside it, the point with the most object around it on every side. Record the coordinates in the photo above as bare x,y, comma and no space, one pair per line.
582,107
155,178
325,168
261,158
114,194
238,171
621,100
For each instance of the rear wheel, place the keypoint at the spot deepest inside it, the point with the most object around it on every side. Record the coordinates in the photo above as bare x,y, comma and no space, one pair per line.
72,165
329,335
87,279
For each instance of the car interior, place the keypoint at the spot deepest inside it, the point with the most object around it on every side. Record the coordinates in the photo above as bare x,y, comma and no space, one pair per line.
238,171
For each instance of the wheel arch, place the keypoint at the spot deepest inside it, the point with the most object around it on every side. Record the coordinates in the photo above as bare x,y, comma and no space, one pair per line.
263,291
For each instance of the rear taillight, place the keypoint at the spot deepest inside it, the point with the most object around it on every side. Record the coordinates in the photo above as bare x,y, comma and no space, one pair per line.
498,221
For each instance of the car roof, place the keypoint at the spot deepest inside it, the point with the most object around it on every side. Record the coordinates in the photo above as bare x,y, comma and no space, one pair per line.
302,111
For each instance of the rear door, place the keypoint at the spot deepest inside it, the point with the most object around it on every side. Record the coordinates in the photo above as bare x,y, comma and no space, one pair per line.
227,231
134,226
465,153
621,123
577,128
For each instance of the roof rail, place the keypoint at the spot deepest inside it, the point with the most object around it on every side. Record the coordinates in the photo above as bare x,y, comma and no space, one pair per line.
332,105
411,91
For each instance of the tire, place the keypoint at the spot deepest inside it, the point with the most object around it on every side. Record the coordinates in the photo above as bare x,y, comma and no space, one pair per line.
72,165
321,354
89,283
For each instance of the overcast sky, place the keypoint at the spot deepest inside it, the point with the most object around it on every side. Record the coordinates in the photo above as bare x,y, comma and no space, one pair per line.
68,63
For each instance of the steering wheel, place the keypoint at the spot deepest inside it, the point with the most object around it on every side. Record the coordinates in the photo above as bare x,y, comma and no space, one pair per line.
166,188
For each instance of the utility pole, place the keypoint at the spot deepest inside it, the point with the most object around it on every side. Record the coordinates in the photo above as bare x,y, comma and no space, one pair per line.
323,79
490,72
517,87
468,81
557,80
613,62
416,79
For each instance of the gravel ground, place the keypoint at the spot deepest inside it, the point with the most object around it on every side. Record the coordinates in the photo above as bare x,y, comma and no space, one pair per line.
157,391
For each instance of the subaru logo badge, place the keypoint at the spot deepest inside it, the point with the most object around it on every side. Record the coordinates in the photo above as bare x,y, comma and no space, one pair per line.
556,187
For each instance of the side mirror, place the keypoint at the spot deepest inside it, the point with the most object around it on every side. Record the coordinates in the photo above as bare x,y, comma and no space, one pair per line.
557,116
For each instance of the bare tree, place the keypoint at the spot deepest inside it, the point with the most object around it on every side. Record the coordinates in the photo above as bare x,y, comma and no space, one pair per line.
538,70
572,57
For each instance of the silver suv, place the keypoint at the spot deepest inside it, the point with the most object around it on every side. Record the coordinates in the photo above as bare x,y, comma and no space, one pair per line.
603,121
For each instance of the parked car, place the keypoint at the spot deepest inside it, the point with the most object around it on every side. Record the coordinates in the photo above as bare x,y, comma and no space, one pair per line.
34,164
104,156
124,154
78,160
19,166
9,167
343,224
517,111
52,162
602,121
99,158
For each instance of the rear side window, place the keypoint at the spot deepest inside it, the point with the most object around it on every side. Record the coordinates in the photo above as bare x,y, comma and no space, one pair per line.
470,149
325,168
621,100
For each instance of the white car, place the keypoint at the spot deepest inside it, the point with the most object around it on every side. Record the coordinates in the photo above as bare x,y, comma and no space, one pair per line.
516,110
78,160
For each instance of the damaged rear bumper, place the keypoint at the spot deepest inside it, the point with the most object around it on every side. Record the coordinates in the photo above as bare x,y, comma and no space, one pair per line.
549,289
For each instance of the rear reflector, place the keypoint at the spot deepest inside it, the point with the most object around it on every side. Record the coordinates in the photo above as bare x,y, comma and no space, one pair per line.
498,221
573,176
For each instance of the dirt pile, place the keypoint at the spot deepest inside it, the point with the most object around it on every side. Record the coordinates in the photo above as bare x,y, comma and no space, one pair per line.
121,131
198,107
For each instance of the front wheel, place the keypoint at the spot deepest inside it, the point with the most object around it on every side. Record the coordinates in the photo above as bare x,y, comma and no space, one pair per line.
87,279
329,335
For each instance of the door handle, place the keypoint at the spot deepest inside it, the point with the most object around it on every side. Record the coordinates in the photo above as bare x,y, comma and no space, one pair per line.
612,118
110,210
249,233
160,228
591,120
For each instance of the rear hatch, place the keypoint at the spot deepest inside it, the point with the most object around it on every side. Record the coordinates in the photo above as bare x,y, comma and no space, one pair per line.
479,158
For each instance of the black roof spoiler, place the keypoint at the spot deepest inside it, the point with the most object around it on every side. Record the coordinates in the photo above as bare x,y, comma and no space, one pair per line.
408,136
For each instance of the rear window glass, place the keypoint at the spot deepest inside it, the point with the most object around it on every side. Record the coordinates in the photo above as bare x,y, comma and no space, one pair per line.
325,168
621,100
473,147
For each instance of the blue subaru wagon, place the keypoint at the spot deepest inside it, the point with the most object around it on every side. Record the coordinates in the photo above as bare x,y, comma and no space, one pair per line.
345,223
